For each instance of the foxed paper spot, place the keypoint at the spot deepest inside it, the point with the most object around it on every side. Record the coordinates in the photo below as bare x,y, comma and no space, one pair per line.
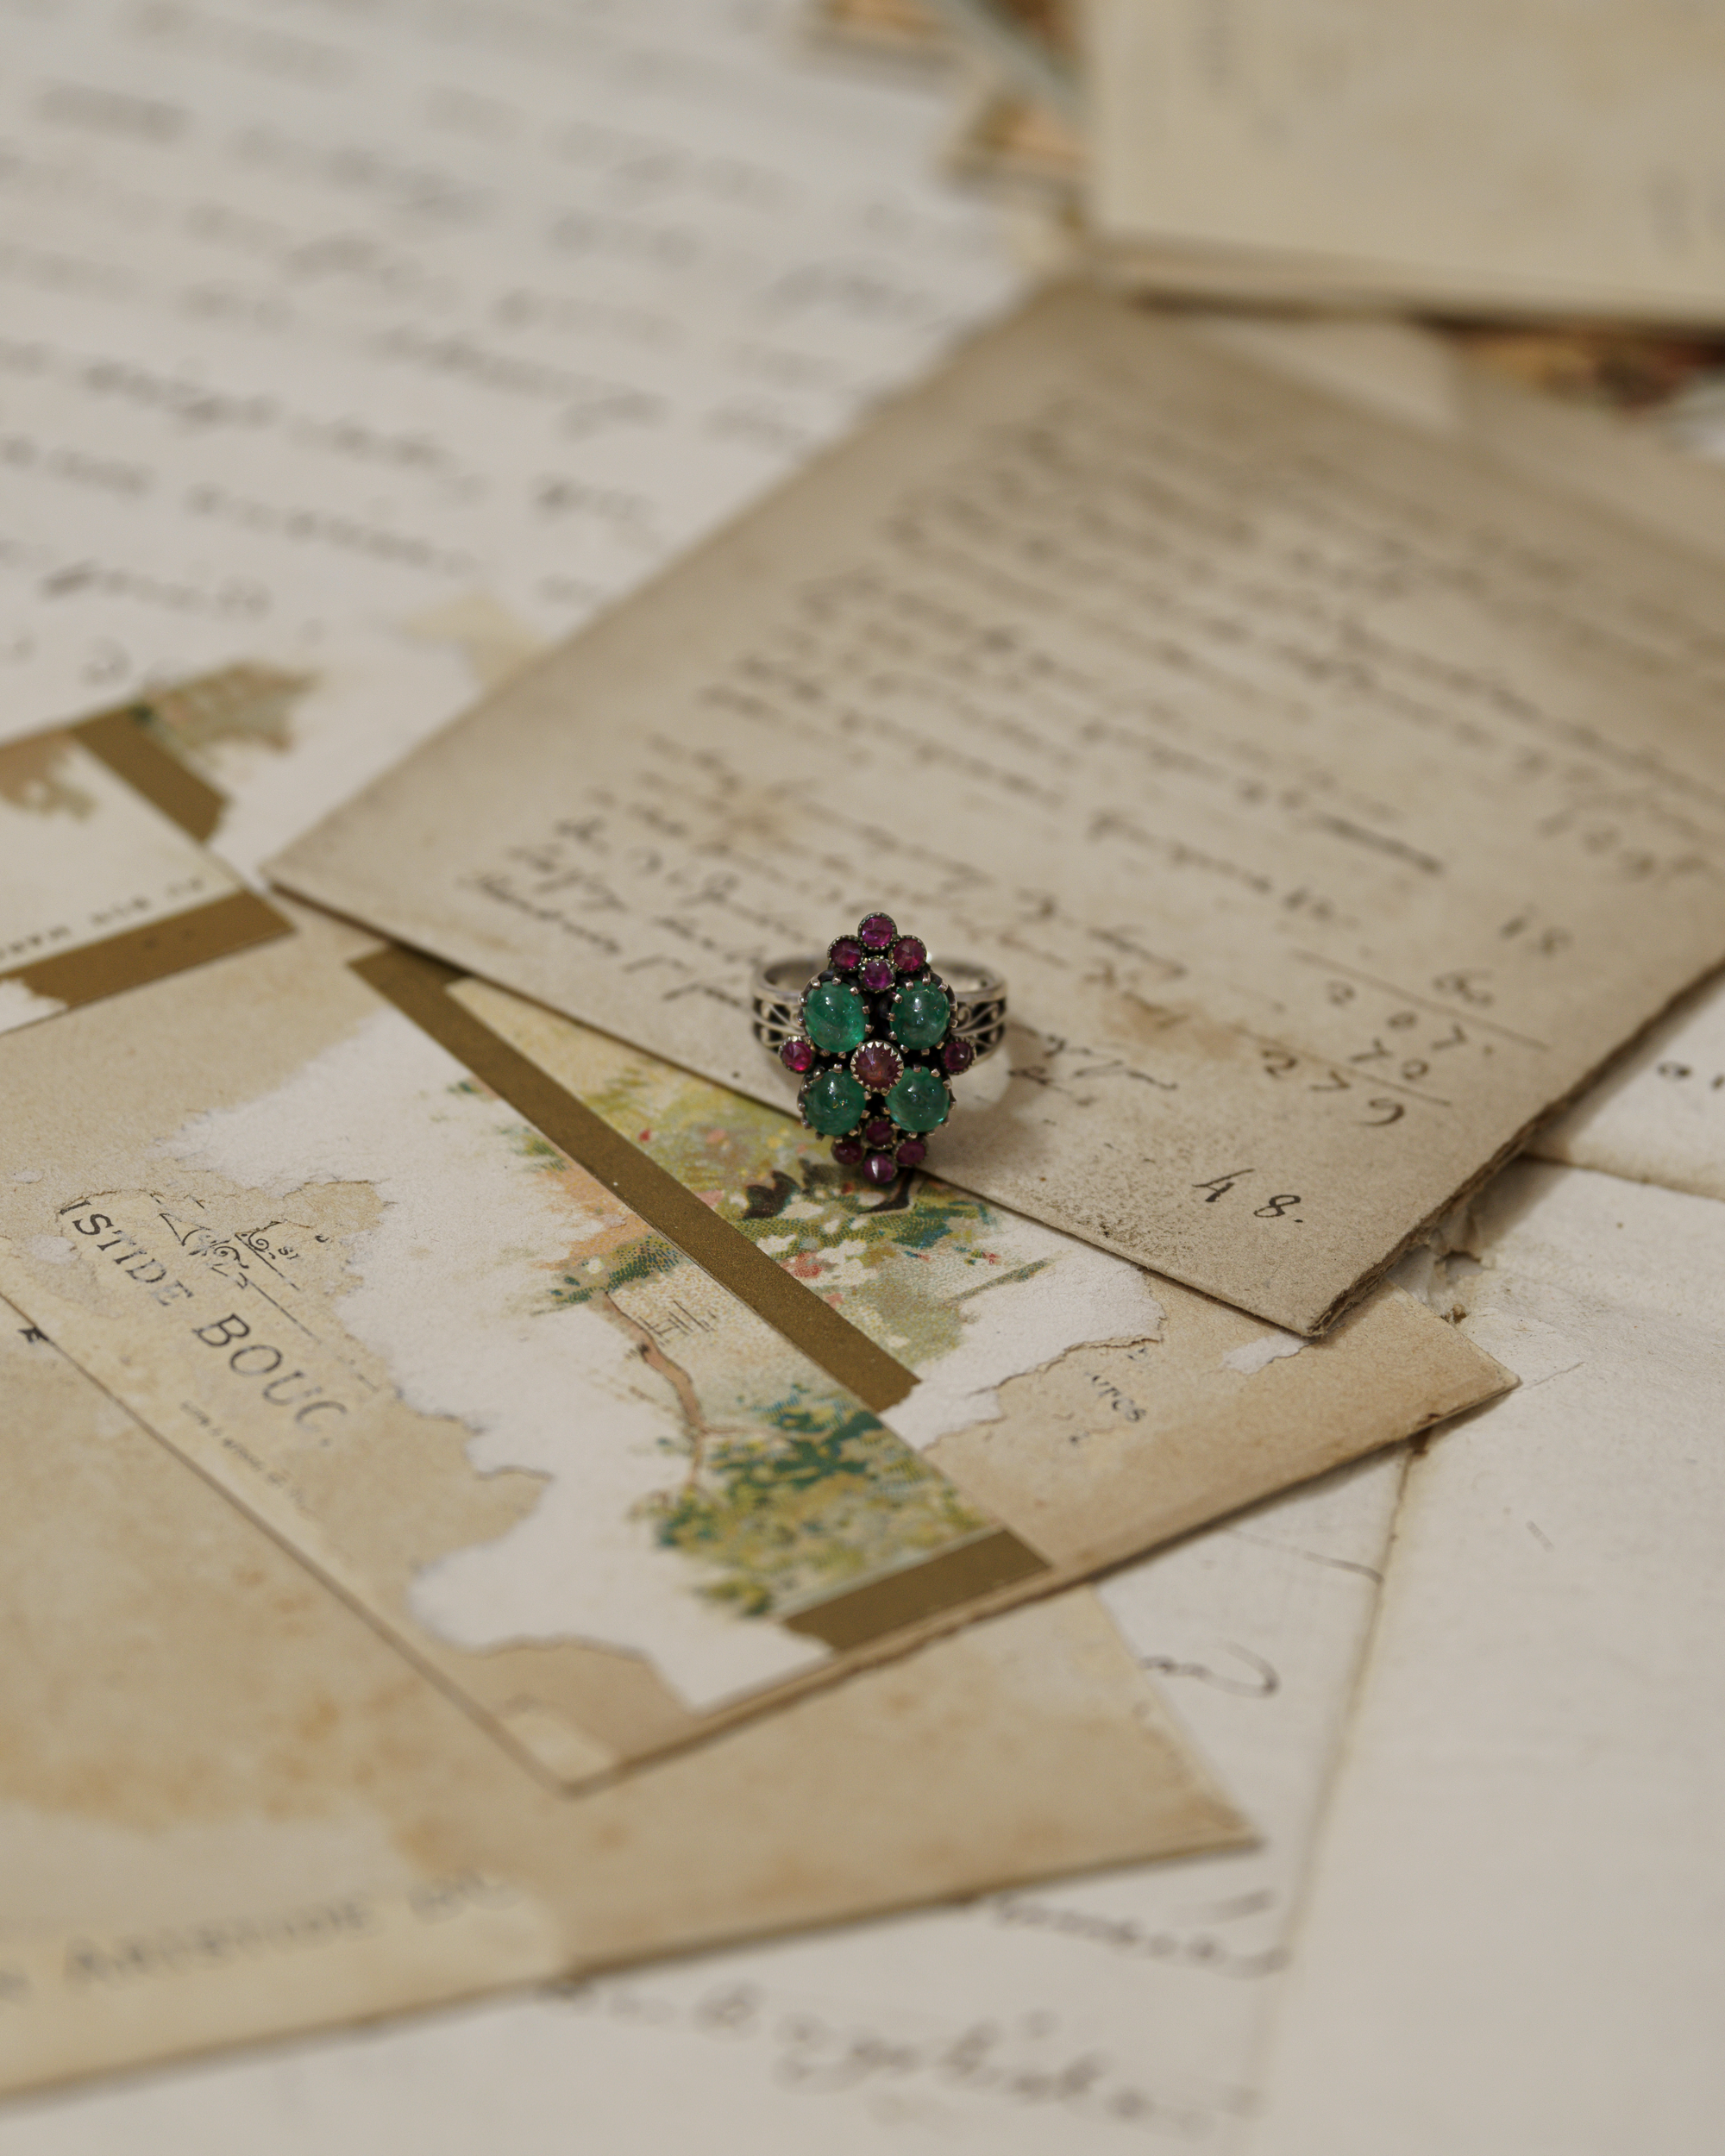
51,1250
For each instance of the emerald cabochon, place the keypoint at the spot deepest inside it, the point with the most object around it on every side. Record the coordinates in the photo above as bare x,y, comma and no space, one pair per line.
834,1017
921,1014
920,1101
832,1101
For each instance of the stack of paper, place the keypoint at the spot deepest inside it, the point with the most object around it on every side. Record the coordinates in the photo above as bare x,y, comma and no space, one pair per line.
491,1497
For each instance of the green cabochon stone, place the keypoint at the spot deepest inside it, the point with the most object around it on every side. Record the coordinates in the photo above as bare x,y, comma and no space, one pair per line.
919,1101
834,1018
833,1103
920,1015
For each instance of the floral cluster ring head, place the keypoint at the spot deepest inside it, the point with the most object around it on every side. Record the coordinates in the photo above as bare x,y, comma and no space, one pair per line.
875,1038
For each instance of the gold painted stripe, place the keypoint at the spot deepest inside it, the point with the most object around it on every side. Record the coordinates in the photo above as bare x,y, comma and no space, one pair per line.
153,950
919,1591
416,986
148,769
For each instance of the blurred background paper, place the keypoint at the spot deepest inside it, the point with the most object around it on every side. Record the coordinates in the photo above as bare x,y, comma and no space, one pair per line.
1517,156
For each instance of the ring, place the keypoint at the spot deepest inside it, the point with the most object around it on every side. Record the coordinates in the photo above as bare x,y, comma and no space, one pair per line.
876,1034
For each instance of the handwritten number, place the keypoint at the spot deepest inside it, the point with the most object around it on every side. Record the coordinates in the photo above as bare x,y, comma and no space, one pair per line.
1219,1186
1278,1063
1277,1207
1392,1111
1338,1084
1465,985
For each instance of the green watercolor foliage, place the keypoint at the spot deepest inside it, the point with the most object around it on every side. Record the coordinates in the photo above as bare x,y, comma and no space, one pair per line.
821,1500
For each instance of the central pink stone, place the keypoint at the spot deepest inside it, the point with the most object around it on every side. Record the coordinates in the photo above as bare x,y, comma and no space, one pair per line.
876,1066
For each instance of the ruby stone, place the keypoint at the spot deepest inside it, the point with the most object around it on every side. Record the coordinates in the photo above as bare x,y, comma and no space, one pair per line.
878,930
958,1054
913,1153
847,1151
877,1131
876,1066
876,975
798,1055
846,954
910,955
881,1168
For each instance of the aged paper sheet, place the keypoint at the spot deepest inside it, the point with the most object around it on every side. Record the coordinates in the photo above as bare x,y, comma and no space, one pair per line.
375,1291
1335,804
229,1810
1526,154
1512,1936
1658,1115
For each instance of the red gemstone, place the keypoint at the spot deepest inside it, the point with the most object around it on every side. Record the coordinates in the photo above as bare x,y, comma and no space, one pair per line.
881,1168
878,1131
878,930
847,1151
846,954
876,1066
913,1153
876,975
797,1054
910,954
958,1054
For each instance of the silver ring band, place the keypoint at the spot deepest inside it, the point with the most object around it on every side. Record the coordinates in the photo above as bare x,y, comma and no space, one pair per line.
979,996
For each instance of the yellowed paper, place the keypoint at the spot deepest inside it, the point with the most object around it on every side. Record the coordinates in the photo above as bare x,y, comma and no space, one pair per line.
1522,154
228,1809
1510,1937
1658,1115
572,1472
1335,804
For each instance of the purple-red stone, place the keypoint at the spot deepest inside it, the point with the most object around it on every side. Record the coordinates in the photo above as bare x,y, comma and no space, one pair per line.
878,930
846,954
876,975
913,1153
877,1131
876,1066
796,1054
958,1054
881,1168
910,954
847,1151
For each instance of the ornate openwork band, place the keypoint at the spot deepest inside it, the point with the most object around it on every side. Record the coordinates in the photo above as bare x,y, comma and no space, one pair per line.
876,1034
